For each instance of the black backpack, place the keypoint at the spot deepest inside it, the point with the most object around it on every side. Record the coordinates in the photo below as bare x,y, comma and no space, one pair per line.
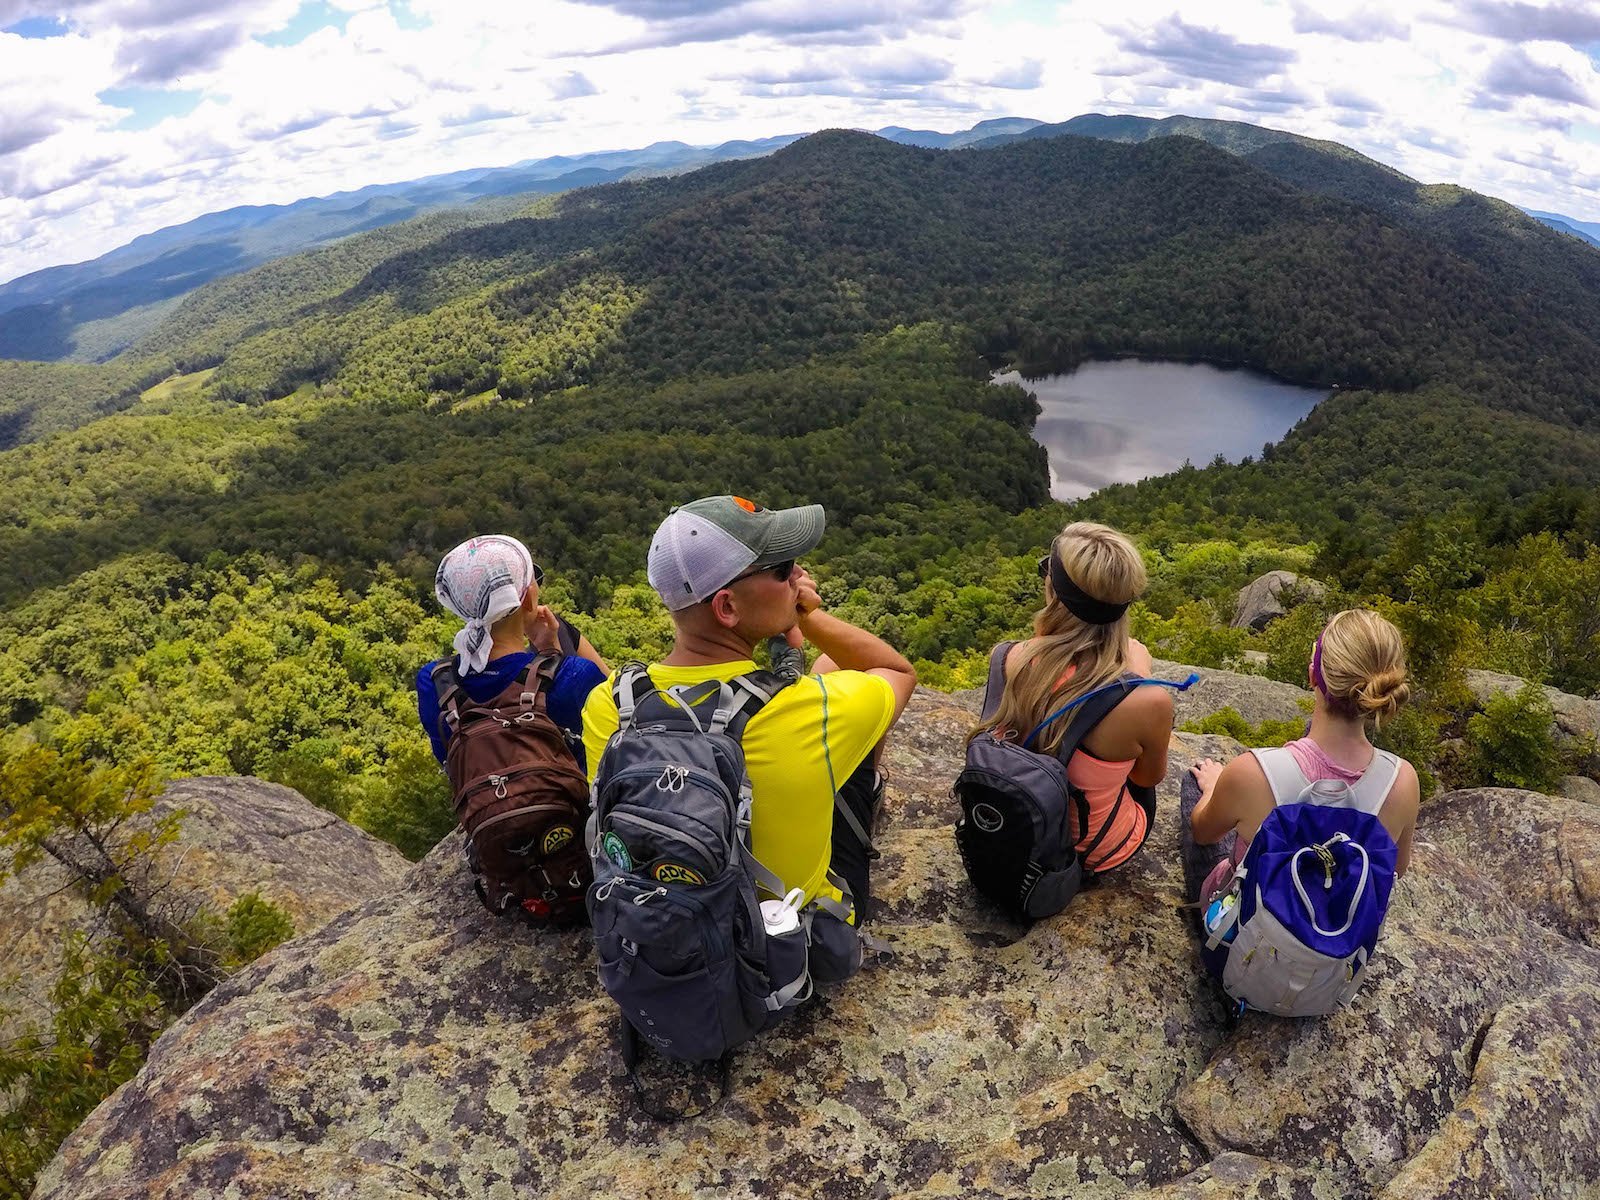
675,907
1021,818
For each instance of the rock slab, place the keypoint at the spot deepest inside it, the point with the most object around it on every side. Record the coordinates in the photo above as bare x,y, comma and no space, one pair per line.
238,835
1263,600
417,1048
1577,718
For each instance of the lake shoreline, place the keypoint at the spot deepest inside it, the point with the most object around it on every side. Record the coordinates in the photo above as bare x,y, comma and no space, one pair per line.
1130,417
1222,364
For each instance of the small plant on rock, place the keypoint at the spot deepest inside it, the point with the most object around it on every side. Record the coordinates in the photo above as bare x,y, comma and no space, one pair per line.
1511,743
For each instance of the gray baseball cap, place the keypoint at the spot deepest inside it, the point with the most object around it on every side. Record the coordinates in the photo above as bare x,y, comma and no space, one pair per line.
704,544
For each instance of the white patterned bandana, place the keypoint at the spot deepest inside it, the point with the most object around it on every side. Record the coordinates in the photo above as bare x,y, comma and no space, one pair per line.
481,581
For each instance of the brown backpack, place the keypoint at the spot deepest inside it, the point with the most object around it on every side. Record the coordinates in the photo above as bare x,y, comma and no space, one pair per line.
519,794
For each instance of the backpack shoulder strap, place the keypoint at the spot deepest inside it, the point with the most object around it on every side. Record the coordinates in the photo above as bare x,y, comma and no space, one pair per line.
752,692
1283,773
995,687
631,685
1370,791
566,637
447,690
743,697
532,683
1090,713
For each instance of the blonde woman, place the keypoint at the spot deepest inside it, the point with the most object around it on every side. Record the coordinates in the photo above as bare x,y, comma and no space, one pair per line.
1080,642
1358,678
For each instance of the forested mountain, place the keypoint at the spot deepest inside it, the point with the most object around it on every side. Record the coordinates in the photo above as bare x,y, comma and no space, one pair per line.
90,311
593,315
1471,224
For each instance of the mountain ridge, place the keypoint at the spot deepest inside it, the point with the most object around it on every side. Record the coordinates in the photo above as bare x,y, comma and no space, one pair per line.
92,310
48,308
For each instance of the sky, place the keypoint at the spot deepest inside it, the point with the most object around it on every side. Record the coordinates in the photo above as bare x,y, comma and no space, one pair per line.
118,117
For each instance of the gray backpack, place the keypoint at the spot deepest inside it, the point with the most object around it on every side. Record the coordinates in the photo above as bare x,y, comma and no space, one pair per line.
678,926
1021,817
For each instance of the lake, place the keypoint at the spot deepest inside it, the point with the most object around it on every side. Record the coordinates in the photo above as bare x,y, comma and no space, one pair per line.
1122,420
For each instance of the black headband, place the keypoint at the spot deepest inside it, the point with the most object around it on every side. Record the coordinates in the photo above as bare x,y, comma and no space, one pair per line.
1079,603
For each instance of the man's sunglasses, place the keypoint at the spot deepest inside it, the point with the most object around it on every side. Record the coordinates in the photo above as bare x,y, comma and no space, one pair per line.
780,572
538,575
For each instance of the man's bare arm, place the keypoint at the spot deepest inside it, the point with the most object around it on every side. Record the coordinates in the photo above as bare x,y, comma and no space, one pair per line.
852,648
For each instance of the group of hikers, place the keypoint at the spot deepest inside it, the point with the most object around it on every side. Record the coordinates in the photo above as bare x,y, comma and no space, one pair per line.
713,820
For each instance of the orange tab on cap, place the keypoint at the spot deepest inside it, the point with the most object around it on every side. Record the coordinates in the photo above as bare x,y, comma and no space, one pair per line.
747,505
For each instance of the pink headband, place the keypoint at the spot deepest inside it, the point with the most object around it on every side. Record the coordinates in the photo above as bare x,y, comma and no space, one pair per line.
1316,667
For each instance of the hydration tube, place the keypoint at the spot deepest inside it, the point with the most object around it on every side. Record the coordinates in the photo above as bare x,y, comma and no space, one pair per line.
1194,678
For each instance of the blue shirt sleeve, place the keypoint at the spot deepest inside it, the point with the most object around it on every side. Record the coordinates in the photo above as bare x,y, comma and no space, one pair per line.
428,709
575,679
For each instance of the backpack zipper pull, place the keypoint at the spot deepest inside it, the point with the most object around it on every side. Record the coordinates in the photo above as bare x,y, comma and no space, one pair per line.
499,782
1326,856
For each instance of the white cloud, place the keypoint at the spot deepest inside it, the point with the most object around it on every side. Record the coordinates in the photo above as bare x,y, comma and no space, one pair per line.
1445,92
1362,23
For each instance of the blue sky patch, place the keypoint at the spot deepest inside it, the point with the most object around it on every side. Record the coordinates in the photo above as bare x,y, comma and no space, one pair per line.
151,106
405,16
313,15
38,27
1015,12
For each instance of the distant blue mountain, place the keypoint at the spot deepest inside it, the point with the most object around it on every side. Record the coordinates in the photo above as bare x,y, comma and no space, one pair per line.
123,294
998,127
1587,231
42,313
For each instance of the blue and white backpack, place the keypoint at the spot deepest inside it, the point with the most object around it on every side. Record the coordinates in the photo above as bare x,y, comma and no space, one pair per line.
1297,930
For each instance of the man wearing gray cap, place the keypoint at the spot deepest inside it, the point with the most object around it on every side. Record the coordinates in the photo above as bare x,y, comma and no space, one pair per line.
727,571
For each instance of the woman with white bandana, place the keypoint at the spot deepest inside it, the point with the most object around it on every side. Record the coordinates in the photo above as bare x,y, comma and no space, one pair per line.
492,584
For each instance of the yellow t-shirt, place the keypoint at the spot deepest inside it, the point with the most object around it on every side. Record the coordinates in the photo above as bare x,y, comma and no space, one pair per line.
791,800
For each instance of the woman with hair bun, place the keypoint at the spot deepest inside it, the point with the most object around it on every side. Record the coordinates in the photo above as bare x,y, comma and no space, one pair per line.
1081,642
1357,675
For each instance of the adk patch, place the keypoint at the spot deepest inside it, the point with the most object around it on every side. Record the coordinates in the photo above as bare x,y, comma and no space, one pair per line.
557,838
671,872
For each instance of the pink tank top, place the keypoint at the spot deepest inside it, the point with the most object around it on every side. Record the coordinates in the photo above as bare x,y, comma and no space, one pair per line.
1103,784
